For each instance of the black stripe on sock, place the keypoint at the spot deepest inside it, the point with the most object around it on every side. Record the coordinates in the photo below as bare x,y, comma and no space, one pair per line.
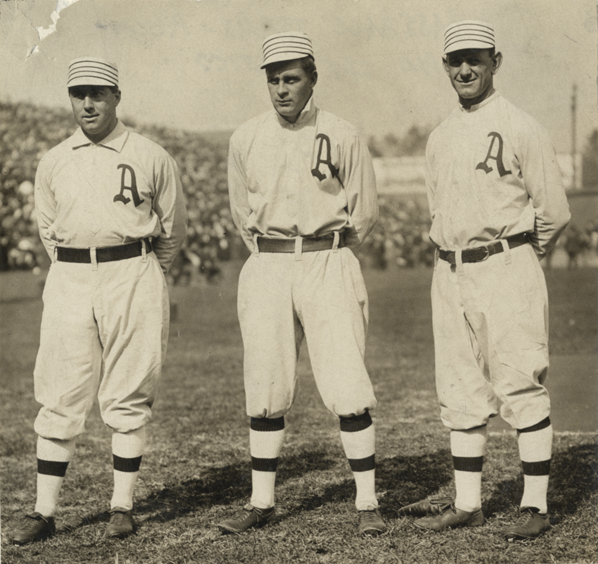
541,468
126,464
264,464
51,468
362,464
537,427
468,463
264,424
356,423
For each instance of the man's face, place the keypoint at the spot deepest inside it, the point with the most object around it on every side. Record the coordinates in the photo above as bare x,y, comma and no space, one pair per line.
290,88
471,72
94,108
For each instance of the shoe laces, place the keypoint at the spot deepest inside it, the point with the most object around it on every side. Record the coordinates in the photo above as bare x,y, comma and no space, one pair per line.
369,514
527,513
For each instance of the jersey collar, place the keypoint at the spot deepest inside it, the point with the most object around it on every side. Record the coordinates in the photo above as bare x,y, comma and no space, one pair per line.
115,140
484,102
306,114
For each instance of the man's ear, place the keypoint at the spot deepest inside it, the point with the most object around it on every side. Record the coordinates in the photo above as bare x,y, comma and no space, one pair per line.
496,62
314,78
445,65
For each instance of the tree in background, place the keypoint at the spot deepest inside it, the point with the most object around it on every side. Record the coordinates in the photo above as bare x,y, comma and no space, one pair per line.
411,144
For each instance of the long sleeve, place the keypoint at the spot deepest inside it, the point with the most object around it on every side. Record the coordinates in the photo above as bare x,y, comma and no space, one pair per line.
45,205
544,185
169,205
362,198
237,190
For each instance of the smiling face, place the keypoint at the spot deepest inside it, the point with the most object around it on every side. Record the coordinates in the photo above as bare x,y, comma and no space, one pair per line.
290,87
471,72
94,108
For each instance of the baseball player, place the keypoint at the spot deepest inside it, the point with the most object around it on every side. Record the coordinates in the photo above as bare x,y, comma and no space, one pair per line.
111,215
302,192
498,206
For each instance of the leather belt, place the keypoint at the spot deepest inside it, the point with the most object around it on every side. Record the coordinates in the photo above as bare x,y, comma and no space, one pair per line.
309,244
103,254
478,254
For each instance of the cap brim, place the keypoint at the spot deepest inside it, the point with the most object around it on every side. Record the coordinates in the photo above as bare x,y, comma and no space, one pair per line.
468,44
88,81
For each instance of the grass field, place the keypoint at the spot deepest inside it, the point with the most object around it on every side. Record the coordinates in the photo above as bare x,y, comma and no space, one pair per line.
196,471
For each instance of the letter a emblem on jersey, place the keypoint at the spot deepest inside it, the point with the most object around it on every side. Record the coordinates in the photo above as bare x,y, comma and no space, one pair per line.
132,187
326,160
491,157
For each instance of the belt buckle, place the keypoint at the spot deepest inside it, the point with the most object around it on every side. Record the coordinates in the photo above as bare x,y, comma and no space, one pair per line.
486,253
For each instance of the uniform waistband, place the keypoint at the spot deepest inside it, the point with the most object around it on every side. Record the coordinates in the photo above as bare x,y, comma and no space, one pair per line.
478,254
103,254
309,244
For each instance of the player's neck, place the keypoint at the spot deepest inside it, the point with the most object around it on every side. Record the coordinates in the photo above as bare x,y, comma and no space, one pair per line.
467,103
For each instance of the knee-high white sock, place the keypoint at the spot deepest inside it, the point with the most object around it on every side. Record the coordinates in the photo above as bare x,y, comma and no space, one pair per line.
535,450
358,437
266,437
467,448
127,451
53,457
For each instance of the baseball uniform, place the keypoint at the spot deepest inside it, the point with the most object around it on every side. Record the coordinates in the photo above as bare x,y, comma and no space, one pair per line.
500,179
498,206
302,191
281,186
112,217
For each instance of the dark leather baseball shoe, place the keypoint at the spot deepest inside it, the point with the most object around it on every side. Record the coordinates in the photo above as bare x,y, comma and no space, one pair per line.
32,528
255,517
371,522
531,525
450,518
121,523
433,506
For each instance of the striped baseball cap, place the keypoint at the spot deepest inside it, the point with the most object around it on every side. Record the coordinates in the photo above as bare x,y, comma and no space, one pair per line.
286,46
469,34
92,71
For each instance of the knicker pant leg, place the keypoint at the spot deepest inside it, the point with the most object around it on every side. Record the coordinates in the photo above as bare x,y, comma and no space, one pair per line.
333,308
68,364
133,315
271,332
462,379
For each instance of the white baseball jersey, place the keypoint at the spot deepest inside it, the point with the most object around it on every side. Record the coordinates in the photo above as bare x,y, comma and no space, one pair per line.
123,189
111,318
309,178
492,173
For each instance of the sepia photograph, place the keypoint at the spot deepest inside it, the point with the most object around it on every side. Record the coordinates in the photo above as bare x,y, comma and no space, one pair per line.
298,281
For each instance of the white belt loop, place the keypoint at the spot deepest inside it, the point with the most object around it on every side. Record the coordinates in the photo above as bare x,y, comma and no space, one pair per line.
143,250
298,248
507,251
94,259
459,259
256,247
55,254
336,241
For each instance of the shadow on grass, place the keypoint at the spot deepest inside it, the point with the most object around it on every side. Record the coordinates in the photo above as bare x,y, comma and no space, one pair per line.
573,477
408,479
226,485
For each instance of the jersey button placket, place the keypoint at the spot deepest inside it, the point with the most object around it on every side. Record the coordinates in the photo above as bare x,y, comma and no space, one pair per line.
94,200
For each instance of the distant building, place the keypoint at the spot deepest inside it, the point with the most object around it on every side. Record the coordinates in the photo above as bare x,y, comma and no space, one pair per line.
406,175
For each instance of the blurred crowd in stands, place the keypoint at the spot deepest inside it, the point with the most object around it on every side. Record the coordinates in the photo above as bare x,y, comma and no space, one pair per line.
28,131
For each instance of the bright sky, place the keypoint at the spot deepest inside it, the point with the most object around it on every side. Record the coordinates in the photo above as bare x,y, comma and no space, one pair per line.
194,64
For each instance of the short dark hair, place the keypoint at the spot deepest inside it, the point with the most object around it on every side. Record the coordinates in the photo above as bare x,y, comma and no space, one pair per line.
113,89
308,65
